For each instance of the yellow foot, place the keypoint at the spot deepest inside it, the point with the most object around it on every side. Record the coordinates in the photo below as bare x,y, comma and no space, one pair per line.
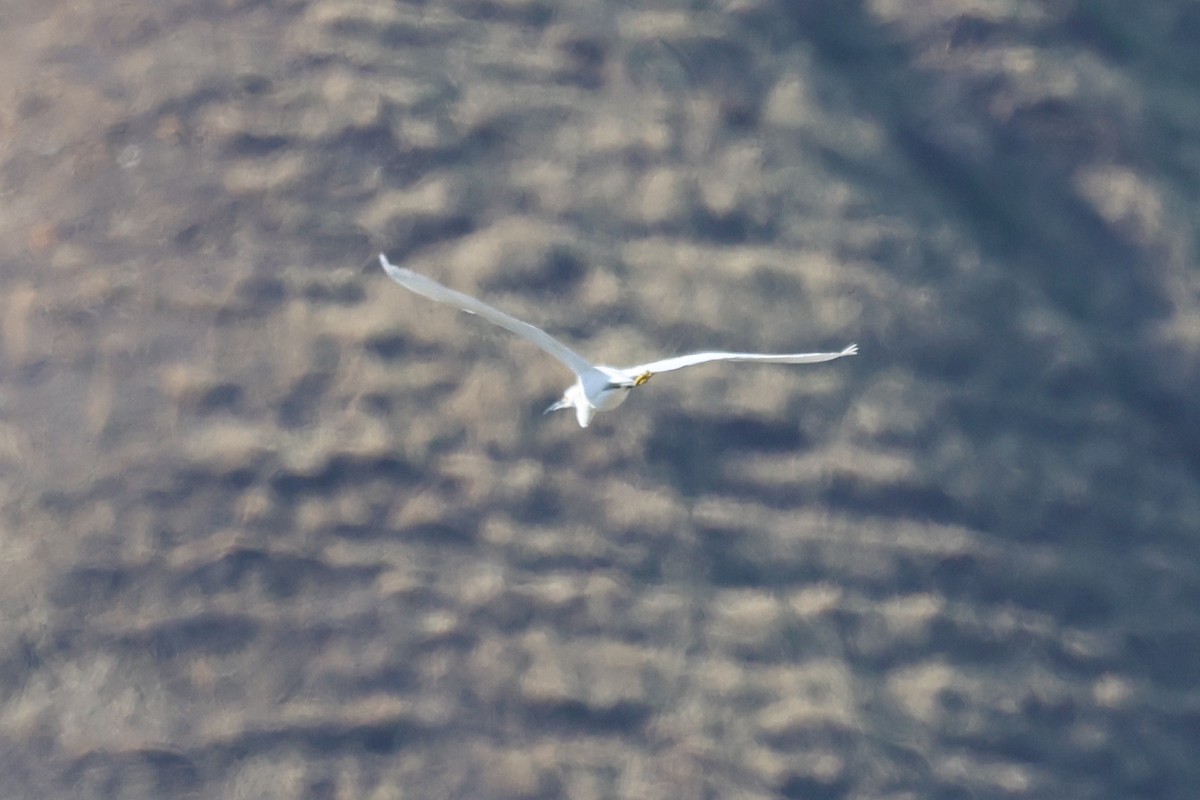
640,379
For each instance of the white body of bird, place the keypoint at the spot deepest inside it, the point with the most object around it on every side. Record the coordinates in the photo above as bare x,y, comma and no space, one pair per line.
597,387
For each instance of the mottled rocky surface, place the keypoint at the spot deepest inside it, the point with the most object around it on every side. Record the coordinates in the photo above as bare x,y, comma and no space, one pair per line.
272,527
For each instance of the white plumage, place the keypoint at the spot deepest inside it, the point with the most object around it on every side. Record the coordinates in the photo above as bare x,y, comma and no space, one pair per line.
597,387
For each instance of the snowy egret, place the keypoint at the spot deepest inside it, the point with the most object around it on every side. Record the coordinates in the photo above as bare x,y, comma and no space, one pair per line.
597,387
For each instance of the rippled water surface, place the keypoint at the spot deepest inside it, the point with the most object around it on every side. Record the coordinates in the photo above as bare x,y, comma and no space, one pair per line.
271,526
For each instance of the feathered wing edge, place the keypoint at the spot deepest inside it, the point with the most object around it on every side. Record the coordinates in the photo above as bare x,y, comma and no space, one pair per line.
692,359
427,287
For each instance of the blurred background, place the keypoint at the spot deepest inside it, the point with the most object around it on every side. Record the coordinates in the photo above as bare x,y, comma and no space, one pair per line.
273,527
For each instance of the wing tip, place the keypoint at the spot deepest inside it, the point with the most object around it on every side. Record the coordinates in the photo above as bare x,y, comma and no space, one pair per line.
852,350
394,272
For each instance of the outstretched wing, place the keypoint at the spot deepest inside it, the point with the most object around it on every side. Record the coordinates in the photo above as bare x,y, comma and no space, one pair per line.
679,362
427,287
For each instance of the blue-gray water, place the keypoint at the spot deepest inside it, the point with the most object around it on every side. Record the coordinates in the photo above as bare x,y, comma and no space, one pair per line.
271,526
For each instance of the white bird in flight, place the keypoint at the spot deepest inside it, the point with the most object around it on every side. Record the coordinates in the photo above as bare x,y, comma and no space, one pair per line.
597,387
